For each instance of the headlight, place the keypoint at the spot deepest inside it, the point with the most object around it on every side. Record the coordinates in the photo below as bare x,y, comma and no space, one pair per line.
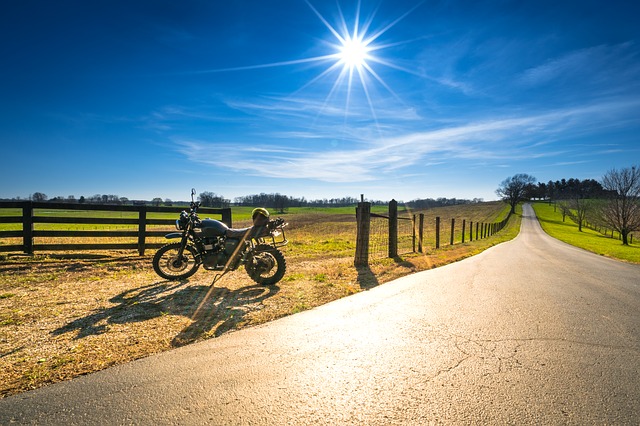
181,223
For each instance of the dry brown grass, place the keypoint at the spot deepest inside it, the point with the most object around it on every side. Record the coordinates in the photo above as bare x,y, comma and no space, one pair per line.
66,315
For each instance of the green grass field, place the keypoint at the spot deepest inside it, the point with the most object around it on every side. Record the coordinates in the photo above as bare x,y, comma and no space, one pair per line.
567,231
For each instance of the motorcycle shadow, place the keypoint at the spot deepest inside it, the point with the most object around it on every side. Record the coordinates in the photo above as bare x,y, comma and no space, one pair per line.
213,310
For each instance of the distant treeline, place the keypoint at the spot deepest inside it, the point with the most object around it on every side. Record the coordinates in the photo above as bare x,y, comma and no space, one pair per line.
564,189
276,201
558,190
281,202
439,202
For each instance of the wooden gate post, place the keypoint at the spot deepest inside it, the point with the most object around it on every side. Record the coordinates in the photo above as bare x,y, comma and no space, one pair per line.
437,232
363,218
420,232
393,228
142,228
27,227
413,233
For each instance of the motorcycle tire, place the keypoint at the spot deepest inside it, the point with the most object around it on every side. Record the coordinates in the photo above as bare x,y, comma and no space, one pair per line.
267,265
167,264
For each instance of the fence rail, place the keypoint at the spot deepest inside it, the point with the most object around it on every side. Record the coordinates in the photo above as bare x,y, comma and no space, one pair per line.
33,213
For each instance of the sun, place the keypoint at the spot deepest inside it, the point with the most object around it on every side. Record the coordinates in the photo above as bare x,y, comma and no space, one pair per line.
354,52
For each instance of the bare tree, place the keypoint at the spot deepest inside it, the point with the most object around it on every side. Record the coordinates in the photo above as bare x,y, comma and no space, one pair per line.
577,209
515,189
621,211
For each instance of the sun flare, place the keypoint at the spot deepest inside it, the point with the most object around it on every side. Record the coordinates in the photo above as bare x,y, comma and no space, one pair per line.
354,53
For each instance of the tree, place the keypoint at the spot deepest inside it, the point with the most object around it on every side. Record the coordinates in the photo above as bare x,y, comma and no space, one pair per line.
156,201
39,197
621,211
514,189
211,199
577,209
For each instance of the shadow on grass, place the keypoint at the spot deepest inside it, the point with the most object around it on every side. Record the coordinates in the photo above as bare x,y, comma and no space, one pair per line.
366,277
213,310
404,262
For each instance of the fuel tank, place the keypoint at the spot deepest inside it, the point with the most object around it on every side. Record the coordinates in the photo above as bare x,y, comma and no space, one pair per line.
213,228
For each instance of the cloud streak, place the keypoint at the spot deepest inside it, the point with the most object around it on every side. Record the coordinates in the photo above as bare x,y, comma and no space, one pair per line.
500,139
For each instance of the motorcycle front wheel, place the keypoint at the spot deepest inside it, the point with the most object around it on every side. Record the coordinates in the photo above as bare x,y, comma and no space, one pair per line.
266,265
170,266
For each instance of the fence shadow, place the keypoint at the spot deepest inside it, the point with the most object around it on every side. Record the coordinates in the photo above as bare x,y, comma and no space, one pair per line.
366,278
404,262
214,310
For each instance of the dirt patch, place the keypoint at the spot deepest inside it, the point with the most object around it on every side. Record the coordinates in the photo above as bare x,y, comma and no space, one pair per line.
63,318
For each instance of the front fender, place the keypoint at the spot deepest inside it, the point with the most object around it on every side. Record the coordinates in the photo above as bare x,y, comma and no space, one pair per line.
173,235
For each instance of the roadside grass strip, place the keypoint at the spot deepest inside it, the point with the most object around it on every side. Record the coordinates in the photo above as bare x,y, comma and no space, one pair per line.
551,221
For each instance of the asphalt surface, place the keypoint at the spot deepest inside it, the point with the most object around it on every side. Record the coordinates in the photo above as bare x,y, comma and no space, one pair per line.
532,331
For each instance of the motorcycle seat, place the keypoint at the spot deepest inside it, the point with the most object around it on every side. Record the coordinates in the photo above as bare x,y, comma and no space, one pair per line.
237,233
246,233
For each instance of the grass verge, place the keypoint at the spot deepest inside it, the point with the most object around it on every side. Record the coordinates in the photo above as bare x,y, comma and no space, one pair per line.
551,221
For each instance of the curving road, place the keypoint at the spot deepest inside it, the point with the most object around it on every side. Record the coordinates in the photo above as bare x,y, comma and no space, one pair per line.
529,331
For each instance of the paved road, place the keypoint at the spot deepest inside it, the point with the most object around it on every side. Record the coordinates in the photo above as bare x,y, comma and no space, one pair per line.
530,331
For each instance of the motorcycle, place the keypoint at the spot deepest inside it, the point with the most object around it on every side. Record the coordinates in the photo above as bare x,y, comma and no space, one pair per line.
215,246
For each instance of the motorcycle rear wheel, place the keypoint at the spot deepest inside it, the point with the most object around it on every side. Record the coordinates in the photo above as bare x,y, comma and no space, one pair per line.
267,265
169,266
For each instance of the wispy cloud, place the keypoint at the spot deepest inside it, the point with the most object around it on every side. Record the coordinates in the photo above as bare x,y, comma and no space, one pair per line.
594,65
494,140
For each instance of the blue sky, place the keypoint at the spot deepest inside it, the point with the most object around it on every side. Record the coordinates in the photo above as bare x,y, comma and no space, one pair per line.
147,99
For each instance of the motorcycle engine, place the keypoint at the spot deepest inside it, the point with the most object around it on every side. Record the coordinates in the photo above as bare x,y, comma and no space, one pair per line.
214,260
214,254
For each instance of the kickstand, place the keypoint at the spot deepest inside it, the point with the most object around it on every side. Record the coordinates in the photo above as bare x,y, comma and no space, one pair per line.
218,276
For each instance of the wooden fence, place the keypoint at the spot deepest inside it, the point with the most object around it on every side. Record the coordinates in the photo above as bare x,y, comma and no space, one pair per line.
33,213
469,231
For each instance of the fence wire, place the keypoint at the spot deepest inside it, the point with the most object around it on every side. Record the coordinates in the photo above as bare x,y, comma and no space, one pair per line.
379,236
405,235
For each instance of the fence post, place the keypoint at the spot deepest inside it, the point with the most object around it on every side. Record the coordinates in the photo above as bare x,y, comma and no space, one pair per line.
464,224
413,233
420,232
363,217
27,227
477,229
471,231
393,228
226,216
142,228
438,232
453,226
